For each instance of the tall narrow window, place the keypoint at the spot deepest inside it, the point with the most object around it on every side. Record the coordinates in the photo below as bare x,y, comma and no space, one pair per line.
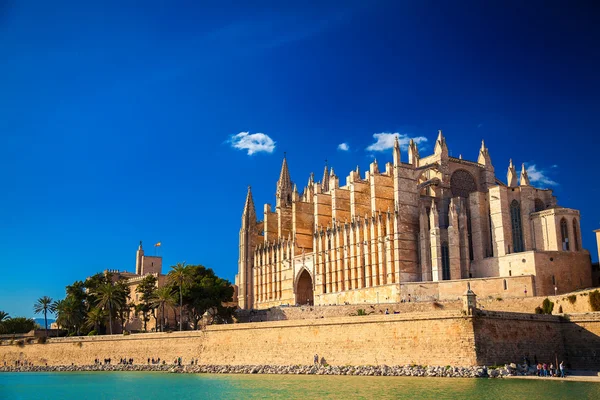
505,285
564,233
575,236
517,231
445,262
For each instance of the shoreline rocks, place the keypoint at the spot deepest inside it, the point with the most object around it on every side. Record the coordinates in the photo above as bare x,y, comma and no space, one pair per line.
365,370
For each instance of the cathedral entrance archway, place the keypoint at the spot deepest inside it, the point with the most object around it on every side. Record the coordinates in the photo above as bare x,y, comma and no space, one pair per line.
304,289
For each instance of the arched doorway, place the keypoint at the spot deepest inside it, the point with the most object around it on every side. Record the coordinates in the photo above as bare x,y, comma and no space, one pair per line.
304,289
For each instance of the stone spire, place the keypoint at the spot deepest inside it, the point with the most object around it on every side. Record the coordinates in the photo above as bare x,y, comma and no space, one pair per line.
440,144
284,186
413,153
511,175
396,151
249,214
524,176
484,156
374,167
325,180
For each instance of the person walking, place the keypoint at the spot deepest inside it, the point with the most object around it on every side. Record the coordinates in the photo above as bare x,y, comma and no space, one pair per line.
562,369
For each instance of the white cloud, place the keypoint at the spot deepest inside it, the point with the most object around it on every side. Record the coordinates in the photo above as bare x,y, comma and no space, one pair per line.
539,176
253,142
385,141
343,146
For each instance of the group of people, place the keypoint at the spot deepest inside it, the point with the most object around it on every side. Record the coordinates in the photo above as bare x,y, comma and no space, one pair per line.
106,361
154,361
545,370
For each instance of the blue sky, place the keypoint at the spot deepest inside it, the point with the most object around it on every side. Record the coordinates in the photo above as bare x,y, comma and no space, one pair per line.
118,121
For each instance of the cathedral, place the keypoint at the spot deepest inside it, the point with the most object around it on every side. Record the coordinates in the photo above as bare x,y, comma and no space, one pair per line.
420,229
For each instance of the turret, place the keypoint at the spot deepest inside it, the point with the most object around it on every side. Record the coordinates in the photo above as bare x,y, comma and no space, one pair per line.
511,175
396,151
325,180
284,186
440,144
249,213
139,256
484,156
524,177
413,153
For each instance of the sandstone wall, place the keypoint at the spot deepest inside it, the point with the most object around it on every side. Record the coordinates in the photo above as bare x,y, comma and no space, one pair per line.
582,340
502,338
432,338
386,339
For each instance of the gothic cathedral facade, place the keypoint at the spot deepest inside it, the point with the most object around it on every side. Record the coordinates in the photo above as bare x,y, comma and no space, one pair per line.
424,228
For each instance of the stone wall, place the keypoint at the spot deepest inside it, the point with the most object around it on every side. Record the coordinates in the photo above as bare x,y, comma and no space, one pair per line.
385,339
502,338
582,340
429,338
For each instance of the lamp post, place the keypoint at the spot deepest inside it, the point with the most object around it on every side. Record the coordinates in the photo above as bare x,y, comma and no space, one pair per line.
555,290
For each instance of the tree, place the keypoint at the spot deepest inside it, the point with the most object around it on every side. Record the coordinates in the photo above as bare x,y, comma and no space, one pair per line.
205,291
109,298
17,325
69,313
180,277
124,295
4,316
164,297
42,306
96,317
147,288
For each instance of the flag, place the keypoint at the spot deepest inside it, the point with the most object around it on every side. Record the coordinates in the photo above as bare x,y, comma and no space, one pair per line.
157,244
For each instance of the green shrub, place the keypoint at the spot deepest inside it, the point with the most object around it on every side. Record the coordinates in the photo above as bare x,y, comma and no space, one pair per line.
42,340
92,333
126,333
498,298
595,300
361,311
547,306
538,310
572,298
20,343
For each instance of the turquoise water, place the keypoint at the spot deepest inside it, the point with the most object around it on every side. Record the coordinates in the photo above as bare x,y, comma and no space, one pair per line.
148,385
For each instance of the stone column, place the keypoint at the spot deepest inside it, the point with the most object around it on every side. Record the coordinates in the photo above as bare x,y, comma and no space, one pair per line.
367,254
373,249
360,267
465,258
424,244
328,241
345,254
352,253
454,240
380,251
436,244
389,243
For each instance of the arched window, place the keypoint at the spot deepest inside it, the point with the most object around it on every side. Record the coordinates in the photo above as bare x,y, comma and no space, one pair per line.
517,231
539,205
445,262
575,236
564,233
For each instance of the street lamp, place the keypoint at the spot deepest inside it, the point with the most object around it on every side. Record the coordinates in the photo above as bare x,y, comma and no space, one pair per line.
555,290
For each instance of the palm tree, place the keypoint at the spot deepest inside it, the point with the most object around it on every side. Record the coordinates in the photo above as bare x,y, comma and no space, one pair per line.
69,313
4,316
164,296
109,297
42,306
96,317
179,275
